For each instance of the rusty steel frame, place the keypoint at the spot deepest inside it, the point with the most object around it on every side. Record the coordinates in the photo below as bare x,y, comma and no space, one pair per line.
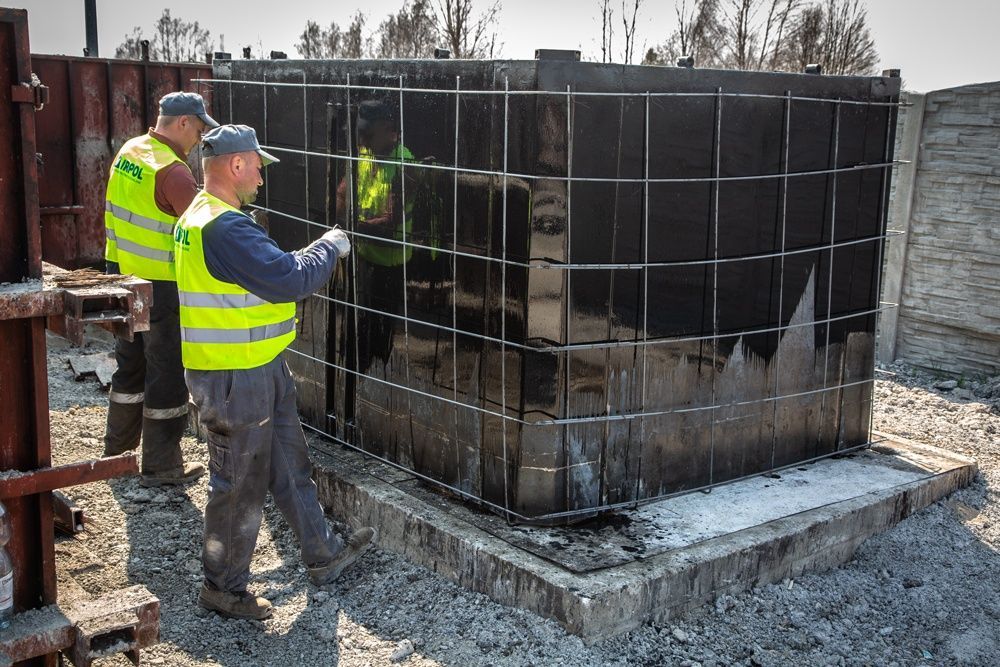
123,621
85,632
121,306
72,474
95,105
25,439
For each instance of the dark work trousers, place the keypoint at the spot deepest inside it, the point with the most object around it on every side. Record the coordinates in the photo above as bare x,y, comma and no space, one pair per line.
148,396
381,289
255,444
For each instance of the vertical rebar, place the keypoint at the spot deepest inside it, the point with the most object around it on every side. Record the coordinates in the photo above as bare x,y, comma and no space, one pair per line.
267,199
829,286
569,281
405,248
305,145
351,222
882,224
645,296
454,281
503,294
781,272
715,280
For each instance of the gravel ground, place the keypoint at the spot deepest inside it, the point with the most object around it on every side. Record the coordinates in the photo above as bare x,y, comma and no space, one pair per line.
925,593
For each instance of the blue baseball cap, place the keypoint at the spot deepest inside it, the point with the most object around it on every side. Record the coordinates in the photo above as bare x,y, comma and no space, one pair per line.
186,104
227,139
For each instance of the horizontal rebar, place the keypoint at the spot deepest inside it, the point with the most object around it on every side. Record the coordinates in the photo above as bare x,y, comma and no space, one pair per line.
602,345
583,179
564,421
559,266
607,507
553,93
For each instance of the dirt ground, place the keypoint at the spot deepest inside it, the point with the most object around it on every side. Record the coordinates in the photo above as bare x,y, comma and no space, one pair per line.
925,593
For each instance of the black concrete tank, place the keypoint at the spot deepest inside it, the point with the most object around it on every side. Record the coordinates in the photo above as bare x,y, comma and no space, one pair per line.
625,281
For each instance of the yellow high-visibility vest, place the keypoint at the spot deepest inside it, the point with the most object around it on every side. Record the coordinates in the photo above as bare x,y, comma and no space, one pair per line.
140,237
223,326
374,189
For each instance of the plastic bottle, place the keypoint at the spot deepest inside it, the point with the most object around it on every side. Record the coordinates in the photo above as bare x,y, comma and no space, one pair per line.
6,572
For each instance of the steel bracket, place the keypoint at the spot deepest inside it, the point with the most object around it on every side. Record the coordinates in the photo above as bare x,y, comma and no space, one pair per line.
32,92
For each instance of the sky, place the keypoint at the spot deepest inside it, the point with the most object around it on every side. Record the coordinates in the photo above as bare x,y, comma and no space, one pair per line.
935,44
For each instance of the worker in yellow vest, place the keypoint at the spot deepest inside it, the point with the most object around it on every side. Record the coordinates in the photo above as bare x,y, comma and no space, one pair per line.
237,293
382,211
149,186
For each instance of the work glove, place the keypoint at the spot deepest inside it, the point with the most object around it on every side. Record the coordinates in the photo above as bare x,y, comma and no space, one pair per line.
339,239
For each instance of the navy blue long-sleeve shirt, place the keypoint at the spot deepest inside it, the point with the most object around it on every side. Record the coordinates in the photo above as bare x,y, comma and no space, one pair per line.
237,250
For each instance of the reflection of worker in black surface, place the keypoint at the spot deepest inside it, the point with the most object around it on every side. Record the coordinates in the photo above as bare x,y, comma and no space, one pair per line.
380,213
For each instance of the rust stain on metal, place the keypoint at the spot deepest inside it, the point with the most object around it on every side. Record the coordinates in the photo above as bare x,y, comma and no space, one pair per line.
95,105
121,621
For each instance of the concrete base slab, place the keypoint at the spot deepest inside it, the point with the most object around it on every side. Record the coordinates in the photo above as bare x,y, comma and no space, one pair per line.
649,564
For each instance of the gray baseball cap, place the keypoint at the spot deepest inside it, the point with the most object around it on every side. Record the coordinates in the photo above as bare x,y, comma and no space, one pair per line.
227,139
186,104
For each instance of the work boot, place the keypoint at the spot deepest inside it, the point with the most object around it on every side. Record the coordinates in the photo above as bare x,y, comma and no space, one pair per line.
186,473
357,544
234,605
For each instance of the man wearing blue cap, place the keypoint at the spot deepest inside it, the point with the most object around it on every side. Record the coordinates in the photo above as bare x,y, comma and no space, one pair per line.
149,186
237,292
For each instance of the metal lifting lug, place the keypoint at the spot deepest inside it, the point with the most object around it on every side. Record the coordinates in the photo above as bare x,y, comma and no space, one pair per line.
32,92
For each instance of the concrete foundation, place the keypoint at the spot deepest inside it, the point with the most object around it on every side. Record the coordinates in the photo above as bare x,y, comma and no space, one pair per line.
649,564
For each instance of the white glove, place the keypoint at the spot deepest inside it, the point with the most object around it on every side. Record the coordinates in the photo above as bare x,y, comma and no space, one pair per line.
340,241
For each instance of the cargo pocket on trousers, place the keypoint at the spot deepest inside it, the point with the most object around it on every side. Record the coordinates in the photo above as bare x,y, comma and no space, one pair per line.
220,462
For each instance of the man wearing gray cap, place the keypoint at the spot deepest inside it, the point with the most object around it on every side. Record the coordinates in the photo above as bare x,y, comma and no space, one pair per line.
149,186
237,292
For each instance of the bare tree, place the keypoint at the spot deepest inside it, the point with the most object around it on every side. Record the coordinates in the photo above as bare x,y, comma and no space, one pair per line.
334,42
754,30
772,34
409,33
806,38
174,40
132,46
310,44
629,30
468,35
607,30
848,44
354,43
699,34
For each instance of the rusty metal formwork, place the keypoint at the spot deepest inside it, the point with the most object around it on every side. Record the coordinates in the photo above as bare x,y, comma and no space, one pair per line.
30,296
626,282
95,105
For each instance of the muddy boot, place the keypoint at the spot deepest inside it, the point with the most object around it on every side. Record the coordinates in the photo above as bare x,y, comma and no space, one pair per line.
162,462
357,544
124,425
175,477
234,605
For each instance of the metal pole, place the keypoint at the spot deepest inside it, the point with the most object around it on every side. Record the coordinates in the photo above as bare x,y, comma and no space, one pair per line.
90,19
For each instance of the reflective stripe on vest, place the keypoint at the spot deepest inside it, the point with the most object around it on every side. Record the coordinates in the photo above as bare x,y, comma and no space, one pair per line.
375,182
139,236
223,326
252,335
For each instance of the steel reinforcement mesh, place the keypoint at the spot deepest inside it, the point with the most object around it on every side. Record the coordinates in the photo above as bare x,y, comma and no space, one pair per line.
620,283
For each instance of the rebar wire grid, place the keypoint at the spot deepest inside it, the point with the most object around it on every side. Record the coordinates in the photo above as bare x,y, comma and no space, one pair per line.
519,416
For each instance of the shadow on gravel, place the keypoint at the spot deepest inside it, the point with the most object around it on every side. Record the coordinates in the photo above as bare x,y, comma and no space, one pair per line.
164,529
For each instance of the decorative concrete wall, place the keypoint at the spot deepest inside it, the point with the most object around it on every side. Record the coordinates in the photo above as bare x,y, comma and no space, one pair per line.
948,283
